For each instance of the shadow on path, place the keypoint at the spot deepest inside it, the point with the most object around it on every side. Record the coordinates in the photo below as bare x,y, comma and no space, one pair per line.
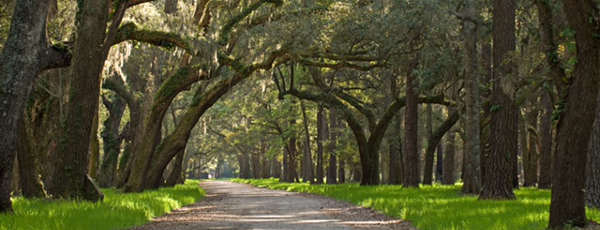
229,205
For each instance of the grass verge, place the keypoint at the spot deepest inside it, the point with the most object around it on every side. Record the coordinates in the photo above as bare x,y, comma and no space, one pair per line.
117,211
437,207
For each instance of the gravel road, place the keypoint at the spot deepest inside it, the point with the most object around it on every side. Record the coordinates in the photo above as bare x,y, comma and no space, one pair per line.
229,205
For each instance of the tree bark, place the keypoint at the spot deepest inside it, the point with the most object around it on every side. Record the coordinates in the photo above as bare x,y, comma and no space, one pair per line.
176,175
576,121
396,166
411,124
557,73
472,151
94,153
449,175
112,140
436,136
592,182
342,171
439,164
28,165
331,147
428,173
70,174
307,164
321,137
25,54
530,161
244,162
499,170
545,130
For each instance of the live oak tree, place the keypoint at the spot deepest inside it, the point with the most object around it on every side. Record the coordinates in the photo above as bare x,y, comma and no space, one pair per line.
26,53
577,117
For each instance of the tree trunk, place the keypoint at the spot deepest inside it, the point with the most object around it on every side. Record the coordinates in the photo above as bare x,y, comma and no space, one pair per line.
428,173
342,171
396,165
530,162
285,174
112,140
290,174
331,147
449,176
275,167
94,153
321,137
307,164
411,124
557,73
592,182
244,162
472,151
576,121
24,55
436,136
256,172
439,163
176,175
28,162
545,130
70,175
499,170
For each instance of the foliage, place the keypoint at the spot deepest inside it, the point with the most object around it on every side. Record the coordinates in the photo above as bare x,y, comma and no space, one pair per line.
117,211
437,207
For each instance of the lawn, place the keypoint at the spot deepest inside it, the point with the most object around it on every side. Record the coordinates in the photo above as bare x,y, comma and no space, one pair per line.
437,207
117,211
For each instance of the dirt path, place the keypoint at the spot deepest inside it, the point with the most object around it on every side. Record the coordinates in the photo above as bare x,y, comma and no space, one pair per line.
230,205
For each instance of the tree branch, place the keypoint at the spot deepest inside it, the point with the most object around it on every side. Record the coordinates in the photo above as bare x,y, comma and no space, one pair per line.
130,31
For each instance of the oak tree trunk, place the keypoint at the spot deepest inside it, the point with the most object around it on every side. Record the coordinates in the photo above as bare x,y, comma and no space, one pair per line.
530,158
449,175
499,169
70,174
24,56
112,140
592,182
545,130
428,173
307,164
567,205
321,138
411,124
331,147
472,144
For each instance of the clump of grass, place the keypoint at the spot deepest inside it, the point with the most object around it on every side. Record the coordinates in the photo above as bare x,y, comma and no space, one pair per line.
117,211
437,207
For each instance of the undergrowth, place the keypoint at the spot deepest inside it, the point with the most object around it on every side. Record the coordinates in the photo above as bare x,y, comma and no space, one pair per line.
117,211
437,207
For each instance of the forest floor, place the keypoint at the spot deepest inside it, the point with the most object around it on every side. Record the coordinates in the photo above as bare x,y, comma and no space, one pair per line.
229,205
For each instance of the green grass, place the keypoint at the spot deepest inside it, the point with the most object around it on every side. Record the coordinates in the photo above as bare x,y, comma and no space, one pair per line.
117,211
438,207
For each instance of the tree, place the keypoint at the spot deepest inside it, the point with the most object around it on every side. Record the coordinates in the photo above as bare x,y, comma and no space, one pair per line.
567,205
25,55
307,164
498,180
472,150
592,182
411,150
321,138
332,167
